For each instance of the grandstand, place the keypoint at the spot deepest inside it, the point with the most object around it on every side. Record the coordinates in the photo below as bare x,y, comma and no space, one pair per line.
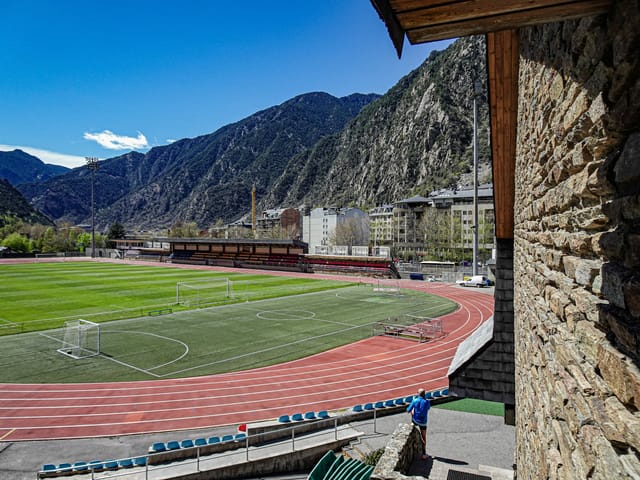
354,265
286,255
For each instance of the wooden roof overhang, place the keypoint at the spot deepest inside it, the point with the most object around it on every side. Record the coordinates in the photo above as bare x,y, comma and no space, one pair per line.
429,20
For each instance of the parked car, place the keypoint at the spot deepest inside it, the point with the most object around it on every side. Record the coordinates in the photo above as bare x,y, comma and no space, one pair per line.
475,281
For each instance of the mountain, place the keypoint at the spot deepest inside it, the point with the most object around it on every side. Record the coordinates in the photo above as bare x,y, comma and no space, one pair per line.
198,179
315,149
20,167
417,138
13,204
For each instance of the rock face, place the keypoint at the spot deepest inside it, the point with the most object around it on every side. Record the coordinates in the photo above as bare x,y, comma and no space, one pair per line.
316,149
14,205
576,244
416,138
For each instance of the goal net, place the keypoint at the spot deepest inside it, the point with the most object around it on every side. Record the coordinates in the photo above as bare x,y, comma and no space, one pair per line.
81,339
388,287
207,292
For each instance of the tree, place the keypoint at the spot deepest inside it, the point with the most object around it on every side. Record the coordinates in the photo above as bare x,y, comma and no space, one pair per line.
182,229
116,231
17,243
352,231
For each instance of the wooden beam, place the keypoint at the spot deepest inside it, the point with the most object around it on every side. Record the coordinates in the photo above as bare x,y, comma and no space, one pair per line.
452,22
502,69
388,17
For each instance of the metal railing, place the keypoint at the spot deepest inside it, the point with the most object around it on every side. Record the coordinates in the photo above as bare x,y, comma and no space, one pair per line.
194,460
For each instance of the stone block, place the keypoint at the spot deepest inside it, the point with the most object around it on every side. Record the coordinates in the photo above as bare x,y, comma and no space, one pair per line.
586,271
627,168
614,277
631,292
609,243
627,424
587,303
620,374
603,419
625,331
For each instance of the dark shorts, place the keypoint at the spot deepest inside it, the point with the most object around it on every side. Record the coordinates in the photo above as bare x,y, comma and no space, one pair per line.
421,427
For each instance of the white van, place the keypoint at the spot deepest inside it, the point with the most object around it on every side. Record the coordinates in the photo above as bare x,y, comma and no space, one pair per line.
475,281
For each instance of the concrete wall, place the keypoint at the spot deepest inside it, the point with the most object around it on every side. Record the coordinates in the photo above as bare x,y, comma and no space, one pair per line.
577,248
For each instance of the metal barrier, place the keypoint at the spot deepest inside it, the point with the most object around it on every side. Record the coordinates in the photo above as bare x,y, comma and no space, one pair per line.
192,457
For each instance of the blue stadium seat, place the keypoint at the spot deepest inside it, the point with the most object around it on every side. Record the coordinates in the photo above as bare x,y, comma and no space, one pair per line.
213,440
297,417
284,419
158,447
111,465
323,414
436,394
389,403
357,408
173,445
188,443
96,465
226,438
240,436
126,463
140,461
444,392
399,401
408,399
65,467
429,394
379,405
368,406
49,467
80,467
200,442
309,416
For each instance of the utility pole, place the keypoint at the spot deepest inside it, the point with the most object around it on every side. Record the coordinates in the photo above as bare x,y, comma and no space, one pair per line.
92,165
476,94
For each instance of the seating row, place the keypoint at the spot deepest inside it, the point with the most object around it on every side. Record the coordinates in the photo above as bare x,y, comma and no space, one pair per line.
51,470
299,417
336,467
158,447
399,401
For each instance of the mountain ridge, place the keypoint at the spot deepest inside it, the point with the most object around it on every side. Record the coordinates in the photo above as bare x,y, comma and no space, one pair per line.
314,149
17,167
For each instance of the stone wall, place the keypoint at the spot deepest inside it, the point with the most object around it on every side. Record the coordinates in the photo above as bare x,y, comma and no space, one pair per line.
405,445
577,248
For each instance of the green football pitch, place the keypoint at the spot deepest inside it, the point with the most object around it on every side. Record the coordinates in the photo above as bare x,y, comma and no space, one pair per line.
266,320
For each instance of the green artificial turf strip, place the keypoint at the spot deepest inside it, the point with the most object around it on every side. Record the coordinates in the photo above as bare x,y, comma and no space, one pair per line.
42,296
471,405
311,317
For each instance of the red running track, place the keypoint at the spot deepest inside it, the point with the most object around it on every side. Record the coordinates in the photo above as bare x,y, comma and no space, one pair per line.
377,368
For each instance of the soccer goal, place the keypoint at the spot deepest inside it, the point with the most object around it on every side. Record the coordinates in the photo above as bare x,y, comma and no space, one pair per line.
388,287
207,292
81,339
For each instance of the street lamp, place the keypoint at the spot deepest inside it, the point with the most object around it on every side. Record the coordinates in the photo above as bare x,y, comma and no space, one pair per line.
476,93
92,165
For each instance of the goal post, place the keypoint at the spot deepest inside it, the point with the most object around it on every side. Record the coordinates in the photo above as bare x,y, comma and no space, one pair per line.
81,339
210,292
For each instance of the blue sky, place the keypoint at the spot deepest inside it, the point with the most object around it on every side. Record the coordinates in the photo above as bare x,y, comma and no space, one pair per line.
100,78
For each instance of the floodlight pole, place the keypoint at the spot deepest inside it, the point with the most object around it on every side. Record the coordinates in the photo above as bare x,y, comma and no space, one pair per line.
92,165
476,94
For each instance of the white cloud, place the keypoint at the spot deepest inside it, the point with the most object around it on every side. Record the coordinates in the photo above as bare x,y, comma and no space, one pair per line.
110,140
48,156
171,140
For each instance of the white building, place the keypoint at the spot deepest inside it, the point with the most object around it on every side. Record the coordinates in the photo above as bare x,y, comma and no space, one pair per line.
320,224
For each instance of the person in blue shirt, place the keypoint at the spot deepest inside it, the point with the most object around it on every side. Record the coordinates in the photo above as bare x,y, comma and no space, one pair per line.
419,410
